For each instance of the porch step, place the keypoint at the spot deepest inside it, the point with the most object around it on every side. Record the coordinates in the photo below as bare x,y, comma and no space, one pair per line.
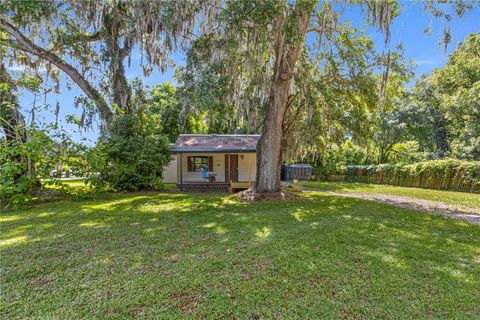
239,186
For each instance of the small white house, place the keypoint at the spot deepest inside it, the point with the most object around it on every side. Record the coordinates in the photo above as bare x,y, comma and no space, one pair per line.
212,162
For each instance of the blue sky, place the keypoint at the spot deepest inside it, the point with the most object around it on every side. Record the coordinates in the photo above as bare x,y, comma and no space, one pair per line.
408,29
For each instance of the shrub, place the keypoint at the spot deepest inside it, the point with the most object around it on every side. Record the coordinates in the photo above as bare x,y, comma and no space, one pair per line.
135,152
24,164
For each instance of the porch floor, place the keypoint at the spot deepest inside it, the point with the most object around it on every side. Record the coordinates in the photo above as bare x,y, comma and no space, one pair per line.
210,186
204,186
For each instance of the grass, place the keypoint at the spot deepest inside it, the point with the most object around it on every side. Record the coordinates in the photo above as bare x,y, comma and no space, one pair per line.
166,255
70,185
469,200
81,188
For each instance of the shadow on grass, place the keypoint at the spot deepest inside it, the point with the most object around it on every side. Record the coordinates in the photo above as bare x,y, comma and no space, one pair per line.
211,243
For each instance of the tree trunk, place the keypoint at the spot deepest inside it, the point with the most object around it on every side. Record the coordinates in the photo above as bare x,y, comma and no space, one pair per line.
121,90
269,155
269,148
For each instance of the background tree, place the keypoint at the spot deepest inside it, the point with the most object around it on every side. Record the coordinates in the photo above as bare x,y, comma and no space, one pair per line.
441,111
424,120
162,100
459,86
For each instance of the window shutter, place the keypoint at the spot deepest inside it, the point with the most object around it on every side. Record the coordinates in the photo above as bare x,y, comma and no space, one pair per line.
189,164
210,164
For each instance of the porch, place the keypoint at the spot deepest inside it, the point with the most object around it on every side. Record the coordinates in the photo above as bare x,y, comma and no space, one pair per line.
215,171
212,163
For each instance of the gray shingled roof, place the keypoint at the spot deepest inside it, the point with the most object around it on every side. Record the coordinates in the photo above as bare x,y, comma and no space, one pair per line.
216,143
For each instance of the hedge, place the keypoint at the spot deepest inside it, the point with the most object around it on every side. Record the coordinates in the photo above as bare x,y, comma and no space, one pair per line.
452,175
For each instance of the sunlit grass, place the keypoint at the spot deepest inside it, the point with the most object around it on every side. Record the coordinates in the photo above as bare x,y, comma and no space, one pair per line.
170,256
72,185
469,200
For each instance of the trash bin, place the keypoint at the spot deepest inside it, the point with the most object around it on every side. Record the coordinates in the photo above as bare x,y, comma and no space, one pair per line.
298,171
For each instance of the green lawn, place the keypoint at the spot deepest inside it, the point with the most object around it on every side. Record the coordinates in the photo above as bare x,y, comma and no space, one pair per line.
169,255
469,200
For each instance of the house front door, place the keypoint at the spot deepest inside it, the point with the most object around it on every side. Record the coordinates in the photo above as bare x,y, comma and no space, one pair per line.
231,167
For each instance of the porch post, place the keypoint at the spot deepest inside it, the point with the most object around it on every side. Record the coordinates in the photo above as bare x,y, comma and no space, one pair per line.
229,169
180,174
249,173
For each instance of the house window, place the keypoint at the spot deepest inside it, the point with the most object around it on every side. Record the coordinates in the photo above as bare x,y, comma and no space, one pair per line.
198,163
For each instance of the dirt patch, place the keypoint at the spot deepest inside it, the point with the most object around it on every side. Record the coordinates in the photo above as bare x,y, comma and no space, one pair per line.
41,282
260,265
186,301
449,210
250,195
318,281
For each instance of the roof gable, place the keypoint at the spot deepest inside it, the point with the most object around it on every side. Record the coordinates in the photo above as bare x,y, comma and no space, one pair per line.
216,143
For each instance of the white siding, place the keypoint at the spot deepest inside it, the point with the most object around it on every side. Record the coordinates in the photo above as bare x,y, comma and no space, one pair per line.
170,171
247,167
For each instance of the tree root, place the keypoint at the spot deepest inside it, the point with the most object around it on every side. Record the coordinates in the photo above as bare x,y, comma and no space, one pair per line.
250,195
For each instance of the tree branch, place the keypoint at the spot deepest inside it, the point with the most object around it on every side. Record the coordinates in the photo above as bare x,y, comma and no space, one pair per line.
290,100
288,124
92,37
294,118
27,45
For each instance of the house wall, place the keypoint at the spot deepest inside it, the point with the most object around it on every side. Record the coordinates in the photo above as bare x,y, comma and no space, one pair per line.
249,160
170,171
246,167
